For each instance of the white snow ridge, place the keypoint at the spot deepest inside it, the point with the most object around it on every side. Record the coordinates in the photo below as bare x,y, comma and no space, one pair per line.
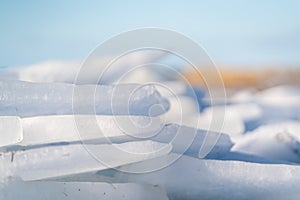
60,140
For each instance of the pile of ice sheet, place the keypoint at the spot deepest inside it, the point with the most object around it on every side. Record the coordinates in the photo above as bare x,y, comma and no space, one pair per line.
130,141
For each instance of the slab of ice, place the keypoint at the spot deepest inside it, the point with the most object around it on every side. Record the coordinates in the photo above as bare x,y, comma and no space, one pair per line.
56,161
193,142
33,99
279,141
87,128
10,130
78,191
190,178
50,130
117,129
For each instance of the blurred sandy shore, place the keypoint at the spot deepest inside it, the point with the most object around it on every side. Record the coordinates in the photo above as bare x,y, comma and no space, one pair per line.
239,78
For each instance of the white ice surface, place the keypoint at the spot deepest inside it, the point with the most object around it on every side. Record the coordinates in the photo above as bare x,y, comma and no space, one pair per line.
191,178
58,130
194,142
11,131
87,128
56,161
80,190
187,178
32,99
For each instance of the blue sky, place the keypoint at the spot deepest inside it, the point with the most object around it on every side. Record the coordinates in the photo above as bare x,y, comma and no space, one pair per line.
233,32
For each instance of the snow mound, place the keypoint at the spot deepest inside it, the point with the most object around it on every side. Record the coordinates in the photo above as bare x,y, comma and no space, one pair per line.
279,141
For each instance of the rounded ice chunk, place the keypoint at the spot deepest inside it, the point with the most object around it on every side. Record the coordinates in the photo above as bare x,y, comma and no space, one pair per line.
276,141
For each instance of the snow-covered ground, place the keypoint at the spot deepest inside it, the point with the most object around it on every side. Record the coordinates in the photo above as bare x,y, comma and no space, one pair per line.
132,141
